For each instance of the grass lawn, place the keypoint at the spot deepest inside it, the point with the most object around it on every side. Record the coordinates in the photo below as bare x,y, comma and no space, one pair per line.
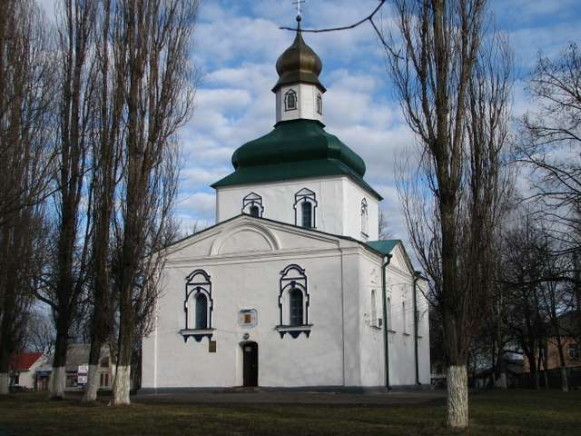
495,413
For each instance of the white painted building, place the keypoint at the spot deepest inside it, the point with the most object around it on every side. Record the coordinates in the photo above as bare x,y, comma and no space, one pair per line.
286,290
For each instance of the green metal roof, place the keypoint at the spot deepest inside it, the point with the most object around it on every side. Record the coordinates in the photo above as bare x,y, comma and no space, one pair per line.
384,247
295,149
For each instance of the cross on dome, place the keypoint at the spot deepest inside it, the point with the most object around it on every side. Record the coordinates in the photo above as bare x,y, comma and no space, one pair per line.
299,12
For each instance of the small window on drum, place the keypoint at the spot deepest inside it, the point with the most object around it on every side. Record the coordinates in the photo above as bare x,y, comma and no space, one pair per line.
364,218
306,214
305,207
290,100
319,104
252,205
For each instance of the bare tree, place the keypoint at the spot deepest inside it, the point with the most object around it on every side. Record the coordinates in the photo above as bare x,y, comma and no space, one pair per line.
25,95
524,276
152,43
66,277
550,140
40,333
106,150
384,230
454,87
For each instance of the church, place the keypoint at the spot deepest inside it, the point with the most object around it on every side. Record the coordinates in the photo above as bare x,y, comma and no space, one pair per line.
291,288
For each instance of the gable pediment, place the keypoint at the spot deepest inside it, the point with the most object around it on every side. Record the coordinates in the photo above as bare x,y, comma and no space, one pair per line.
249,236
401,261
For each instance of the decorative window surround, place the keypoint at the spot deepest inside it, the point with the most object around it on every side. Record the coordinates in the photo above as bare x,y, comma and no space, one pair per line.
294,331
290,100
251,201
197,283
303,197
364,219
197,334
293,278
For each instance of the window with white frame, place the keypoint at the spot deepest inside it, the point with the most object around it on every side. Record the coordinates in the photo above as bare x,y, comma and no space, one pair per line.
252,205
305,208
319,104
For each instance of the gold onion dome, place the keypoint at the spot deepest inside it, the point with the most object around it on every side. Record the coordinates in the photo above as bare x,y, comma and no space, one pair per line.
299,64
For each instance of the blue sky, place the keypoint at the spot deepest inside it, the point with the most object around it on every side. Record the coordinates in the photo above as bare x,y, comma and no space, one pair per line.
236,46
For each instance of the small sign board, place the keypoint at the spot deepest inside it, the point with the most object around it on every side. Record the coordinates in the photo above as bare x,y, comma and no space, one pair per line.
83,370
248,318
82,379
212,347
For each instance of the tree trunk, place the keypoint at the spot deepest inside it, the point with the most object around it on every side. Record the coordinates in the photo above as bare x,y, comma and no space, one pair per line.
93,382
457,396
537,380
501,382
122,386
58,380
92,386
4,383
58,375
564,379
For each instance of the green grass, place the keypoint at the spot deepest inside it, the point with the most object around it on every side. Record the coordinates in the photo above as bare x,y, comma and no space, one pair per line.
492,413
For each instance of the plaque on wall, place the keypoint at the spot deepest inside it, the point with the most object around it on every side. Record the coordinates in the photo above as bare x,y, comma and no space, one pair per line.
212,346
248,318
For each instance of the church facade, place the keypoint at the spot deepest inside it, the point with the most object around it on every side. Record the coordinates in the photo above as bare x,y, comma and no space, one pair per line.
291,288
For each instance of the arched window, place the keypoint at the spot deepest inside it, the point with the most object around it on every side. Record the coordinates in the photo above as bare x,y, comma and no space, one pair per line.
290,100
296,307
201,311
307,214
305,208
364,217
374,322
404,318
293,302
252,205
319,104
198,306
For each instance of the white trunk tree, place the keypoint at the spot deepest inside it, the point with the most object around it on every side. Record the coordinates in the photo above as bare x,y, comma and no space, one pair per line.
454,88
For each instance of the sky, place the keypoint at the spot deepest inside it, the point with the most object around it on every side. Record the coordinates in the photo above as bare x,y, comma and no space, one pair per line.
237,43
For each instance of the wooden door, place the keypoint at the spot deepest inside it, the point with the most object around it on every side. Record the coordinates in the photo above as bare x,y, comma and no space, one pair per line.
250,363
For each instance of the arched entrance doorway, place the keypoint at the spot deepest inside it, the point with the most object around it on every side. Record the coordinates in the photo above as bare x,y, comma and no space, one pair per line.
250,363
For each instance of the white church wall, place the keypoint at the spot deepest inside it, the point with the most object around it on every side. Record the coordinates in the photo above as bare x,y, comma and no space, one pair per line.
278,200
353,195
250,282
343,348
424,333
371,333
401,343
338,209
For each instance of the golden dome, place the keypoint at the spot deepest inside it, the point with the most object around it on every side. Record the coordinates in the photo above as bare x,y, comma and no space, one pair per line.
299,64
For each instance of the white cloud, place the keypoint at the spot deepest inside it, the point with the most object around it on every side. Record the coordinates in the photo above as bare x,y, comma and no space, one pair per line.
236,47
